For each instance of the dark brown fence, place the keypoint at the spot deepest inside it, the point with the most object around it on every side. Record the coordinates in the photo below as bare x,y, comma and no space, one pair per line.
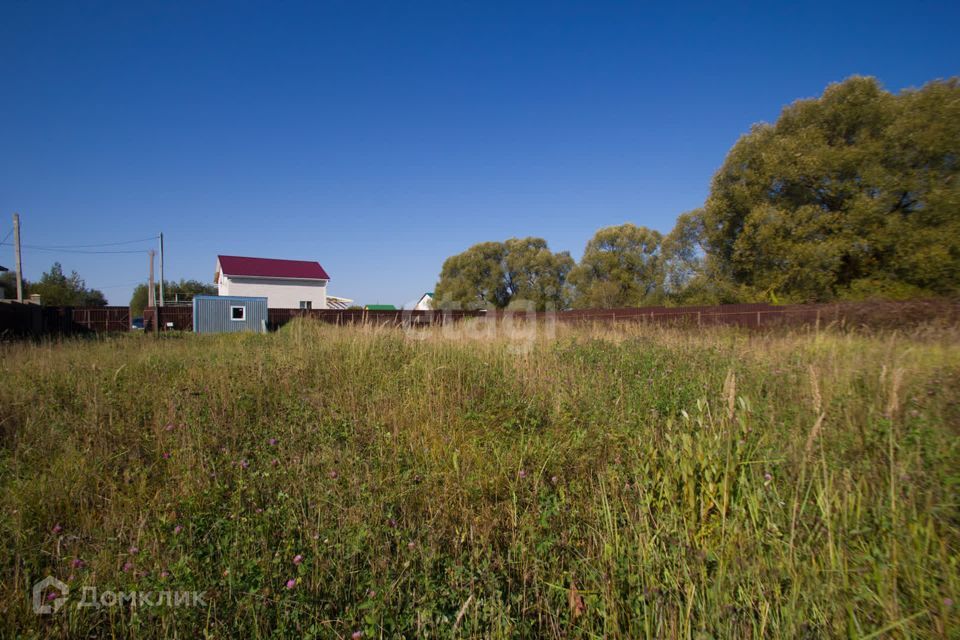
879,314
754,316
177,318
181,318
279,317
22,320
747,315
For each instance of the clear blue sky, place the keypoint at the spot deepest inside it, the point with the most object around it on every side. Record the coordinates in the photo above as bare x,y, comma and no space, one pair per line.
380,138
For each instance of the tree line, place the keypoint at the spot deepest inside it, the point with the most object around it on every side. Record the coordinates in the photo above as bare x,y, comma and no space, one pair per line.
172,290
848,196
58,289
55,288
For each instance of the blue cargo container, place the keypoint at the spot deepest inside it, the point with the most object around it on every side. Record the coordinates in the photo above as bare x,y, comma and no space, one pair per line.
223,314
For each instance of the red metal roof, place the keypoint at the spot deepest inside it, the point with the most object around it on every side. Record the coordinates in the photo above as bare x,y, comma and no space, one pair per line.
271,268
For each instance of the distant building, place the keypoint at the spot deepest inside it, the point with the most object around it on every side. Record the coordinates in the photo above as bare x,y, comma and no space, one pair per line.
336,302
286,284
228,314
380,307
425,303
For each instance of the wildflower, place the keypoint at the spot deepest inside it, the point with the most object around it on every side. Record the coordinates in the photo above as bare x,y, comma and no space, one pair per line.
298,559
554,479
259,510
291,583
170,426
57,528
275,462
411,545
392,523
177,529
523,473
127,566
78,563
333,475
134,550
244,464
356,635
272,442
166,455
948,602
164,574
767,478
52,595
371,594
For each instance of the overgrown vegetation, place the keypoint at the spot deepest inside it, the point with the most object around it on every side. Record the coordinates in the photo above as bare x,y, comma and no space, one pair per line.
606,482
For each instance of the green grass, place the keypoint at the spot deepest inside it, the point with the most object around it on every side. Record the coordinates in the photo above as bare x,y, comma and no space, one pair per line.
625,483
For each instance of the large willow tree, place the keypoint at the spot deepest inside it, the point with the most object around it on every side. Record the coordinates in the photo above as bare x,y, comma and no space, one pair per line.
853,194
621,266
519,271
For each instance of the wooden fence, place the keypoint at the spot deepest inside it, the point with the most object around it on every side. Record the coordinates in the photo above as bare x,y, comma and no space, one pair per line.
176,318
753,316
32,320
22,320
279,317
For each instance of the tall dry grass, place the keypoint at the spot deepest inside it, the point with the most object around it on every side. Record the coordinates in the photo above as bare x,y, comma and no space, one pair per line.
601,482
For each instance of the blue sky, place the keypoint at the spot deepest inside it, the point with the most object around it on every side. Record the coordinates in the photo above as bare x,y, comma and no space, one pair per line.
381,137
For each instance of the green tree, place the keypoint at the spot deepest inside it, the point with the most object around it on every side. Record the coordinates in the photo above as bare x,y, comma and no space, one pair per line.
852,194
535,274
683,256
58,289
500,273
184,290
8,284
621,267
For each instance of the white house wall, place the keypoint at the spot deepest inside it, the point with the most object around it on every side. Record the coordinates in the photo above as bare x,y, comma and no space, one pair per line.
281,293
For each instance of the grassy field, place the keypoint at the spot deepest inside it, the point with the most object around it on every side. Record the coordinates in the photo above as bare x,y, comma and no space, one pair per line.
605,483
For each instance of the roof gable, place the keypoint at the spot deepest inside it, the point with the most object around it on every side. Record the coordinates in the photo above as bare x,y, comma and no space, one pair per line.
271,268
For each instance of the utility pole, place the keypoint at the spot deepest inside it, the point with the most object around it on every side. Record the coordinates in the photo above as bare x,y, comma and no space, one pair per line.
152,295
16,246
161,270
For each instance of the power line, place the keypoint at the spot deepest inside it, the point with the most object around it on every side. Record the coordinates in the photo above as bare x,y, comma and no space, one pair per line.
116,286
55,250
85,248
99,244
6,236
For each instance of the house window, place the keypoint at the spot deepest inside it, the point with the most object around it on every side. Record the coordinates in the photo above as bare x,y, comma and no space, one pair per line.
306,304
238,313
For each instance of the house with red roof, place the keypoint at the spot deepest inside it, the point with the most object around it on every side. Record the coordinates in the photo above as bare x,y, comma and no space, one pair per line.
286,284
